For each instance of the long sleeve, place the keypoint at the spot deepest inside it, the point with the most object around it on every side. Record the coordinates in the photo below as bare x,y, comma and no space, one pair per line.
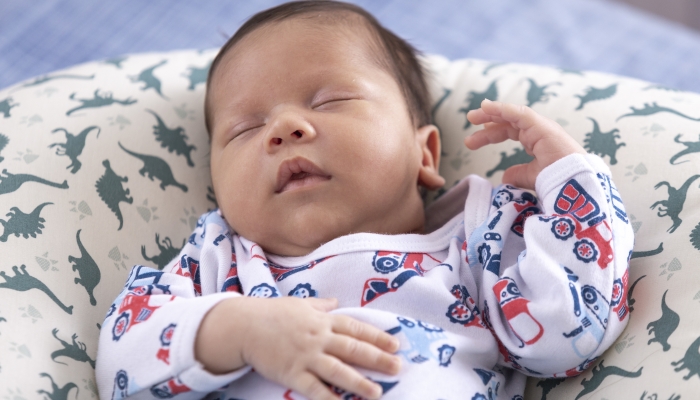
146,344
551,272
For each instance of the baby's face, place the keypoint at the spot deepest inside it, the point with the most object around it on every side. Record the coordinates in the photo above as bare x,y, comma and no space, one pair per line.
311,140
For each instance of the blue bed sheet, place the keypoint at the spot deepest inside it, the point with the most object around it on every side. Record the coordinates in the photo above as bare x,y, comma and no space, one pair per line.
40,36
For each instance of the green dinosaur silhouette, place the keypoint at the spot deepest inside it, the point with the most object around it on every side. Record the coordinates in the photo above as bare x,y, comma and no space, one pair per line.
111,191
492,66
75,350
172,139
98,101
655,396
197,75
11,182
654,108
6,105
518,157
695,236
116,61
600,372
475,99
73,147
56,392
150,81
156,167
593,94
602,143
691,360
23,224
630,299
537,93
663,327
4,140
674,204
88,270
648,253
167,252
42,79
570,71
548,384
661,87
22,282
691,147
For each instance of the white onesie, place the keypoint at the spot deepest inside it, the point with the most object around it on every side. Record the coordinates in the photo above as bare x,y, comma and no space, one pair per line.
507,285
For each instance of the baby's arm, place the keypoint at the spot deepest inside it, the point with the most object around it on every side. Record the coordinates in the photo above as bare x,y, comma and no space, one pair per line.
296,343
553,276
160,340
542,138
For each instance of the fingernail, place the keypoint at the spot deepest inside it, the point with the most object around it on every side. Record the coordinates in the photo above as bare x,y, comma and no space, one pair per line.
486,101
395,344
396,364
378,391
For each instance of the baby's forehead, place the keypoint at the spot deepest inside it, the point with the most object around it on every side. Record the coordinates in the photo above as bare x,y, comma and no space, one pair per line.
347,29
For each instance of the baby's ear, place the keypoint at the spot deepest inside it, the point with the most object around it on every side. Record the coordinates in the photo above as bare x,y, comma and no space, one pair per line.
428,138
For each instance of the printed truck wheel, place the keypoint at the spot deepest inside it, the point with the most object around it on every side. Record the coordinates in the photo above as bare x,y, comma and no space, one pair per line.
563,228
585,251
459,313
167,335
121,380
385,265
121,324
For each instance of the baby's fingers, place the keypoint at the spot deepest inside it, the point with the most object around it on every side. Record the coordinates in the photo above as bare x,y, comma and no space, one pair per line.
337,373
520,116
348,326
362,354
308,385
492,133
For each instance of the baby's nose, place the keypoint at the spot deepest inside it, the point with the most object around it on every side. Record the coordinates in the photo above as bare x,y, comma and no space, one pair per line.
297,134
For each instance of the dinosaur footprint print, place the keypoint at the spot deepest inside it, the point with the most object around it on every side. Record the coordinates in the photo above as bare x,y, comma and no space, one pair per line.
45,262
118,257
81,208
637,172
670,268
146,212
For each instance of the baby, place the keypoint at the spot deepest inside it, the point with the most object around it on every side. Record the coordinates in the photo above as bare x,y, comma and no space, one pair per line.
322,276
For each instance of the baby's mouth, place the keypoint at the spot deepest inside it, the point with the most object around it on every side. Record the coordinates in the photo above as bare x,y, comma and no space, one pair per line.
298,172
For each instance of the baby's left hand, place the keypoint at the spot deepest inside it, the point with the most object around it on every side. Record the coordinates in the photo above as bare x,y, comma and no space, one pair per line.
542,138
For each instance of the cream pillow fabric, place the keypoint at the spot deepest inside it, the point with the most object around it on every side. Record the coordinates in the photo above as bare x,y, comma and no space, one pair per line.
105,165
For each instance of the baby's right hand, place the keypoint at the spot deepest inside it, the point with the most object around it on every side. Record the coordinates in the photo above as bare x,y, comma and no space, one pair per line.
298,344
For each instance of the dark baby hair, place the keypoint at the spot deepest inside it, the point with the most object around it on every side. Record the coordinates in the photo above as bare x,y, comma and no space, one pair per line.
397,56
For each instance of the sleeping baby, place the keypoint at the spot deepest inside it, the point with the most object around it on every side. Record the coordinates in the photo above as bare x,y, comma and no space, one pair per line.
322,275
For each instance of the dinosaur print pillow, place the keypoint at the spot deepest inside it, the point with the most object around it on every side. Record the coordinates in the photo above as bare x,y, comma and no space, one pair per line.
105,165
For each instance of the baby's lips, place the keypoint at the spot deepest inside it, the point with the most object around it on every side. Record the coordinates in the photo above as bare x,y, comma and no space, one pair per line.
293,166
